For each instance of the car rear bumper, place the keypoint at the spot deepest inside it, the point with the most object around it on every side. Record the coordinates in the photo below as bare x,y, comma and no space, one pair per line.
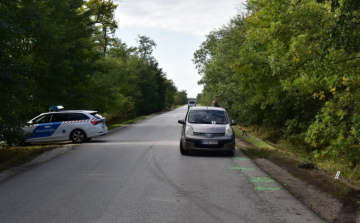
97,132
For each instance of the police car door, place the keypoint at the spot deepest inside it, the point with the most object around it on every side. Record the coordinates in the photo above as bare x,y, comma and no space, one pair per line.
40,129
61,126
79,121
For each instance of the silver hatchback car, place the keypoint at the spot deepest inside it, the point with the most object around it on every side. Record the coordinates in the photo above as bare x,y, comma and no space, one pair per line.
207,129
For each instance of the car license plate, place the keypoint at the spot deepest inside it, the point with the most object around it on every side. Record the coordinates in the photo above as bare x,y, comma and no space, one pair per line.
209,142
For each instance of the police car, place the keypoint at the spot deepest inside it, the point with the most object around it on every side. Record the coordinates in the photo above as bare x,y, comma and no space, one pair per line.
58,124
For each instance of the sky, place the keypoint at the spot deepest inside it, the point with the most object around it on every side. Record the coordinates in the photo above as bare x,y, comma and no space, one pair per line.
178,28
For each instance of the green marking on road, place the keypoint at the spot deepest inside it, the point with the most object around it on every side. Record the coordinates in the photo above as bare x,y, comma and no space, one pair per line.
240,158
261,180
247,168
261,188
242,168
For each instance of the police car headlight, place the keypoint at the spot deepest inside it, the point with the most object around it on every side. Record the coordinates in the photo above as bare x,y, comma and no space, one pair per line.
229,131
189,130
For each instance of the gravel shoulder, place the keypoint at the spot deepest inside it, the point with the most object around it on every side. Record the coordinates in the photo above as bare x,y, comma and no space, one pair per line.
313,187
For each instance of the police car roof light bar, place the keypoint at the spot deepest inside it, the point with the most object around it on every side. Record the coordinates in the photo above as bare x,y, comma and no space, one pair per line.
56,108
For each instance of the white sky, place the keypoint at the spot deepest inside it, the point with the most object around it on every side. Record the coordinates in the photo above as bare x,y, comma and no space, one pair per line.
178,28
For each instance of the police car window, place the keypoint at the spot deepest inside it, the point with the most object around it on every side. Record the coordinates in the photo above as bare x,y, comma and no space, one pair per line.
97,115
60,117
42,119
78,116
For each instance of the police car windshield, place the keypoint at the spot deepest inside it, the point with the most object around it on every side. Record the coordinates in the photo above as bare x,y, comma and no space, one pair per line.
42,119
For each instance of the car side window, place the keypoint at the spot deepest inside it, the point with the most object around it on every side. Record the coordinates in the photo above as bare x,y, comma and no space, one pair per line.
43,119
78,116
60,117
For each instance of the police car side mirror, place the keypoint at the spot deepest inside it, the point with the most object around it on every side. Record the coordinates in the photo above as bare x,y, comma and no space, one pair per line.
233,122
181,122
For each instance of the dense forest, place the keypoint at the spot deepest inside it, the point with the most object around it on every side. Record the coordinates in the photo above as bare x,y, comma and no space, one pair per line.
64,52
292,68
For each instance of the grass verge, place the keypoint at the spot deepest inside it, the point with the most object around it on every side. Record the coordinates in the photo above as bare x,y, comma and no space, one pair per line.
112,126
287,149
16,156
289,157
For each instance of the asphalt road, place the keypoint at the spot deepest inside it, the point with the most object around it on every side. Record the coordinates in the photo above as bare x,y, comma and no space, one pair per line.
137,174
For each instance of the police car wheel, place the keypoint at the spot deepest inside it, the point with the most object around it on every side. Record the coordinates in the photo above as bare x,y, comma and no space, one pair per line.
22,142
78,136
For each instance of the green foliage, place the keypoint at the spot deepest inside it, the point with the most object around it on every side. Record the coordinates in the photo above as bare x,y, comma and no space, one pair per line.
290,65
64,52
102,22
181,98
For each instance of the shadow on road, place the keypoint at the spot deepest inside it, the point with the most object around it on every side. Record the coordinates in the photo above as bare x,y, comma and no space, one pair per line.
208,154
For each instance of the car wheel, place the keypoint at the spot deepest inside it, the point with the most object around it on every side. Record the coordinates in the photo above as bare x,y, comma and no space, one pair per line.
182,151
78,136
22,143
232,152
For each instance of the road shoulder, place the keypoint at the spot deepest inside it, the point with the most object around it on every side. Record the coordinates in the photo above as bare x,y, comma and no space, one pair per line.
311,186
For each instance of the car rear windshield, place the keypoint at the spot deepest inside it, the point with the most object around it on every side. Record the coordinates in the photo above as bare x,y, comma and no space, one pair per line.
97,115
191,102
208,117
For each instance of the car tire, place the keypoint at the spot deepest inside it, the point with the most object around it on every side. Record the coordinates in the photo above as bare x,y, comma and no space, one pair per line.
22,143
232,152
88,139
78,136
182,151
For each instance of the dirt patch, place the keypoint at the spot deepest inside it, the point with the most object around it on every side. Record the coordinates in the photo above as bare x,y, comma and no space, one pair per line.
316,188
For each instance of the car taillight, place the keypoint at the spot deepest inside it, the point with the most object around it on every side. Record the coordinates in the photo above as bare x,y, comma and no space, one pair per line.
96,122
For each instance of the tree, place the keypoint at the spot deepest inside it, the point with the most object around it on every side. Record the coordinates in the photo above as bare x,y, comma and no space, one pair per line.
290,66
181,98
102,21
63,52
171,92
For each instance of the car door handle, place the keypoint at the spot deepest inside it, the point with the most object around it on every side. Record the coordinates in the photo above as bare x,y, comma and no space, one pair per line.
48,126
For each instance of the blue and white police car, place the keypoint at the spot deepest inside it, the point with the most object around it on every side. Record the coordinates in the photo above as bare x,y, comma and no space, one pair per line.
58,124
